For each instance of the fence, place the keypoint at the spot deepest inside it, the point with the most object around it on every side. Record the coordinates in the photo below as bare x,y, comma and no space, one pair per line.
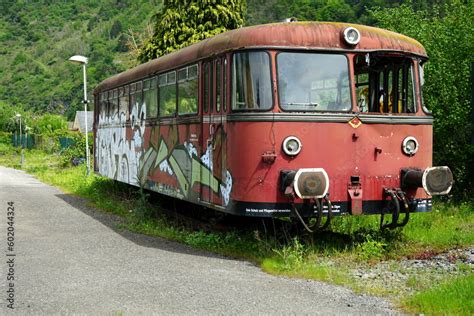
23,141
47,143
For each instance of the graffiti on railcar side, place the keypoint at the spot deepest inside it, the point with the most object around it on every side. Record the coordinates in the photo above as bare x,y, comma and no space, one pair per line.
118,156
121,155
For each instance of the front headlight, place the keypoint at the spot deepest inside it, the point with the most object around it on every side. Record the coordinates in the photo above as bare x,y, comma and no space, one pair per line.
311,183
292,146
410,146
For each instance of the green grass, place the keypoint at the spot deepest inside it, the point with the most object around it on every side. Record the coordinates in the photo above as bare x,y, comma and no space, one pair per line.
329,256
452,297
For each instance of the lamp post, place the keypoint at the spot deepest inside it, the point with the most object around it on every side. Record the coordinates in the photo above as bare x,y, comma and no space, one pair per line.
18,116
22,157
27,129
83,60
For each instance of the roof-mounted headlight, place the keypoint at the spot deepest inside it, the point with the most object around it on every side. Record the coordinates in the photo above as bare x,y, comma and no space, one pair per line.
351,36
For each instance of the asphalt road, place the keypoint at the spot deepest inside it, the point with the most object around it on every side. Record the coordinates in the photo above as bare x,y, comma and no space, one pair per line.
72,259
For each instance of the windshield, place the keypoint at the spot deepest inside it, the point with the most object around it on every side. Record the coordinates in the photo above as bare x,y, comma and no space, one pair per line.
384,84
313,82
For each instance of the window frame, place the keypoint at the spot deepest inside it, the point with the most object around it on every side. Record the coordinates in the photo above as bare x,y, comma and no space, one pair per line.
187,67
166,73
218,86
124,93
231,85
351,81
149,81
421,78
397,70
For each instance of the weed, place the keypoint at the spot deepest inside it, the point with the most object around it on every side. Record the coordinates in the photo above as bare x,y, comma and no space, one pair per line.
143,208
371,249
292,255
201,239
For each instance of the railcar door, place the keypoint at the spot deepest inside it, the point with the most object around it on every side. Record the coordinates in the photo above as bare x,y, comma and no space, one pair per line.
213,166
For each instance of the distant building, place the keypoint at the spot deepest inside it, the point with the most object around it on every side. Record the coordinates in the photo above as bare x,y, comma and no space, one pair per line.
79,122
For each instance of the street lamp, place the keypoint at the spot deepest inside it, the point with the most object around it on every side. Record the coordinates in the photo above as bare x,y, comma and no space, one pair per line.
22,157
18,116
83,60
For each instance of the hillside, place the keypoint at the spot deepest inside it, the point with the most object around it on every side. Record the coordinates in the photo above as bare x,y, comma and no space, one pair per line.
37,38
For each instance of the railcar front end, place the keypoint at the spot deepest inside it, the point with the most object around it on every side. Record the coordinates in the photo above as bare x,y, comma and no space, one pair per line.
318,133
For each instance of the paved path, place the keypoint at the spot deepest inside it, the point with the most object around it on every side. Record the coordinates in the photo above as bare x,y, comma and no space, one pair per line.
71,258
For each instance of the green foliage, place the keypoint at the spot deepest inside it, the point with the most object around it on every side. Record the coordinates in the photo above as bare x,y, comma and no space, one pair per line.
182,23
452,297
47,124
143,209
8,120
116,29
292,255
371,249
354,11
446,33
5,138
77,150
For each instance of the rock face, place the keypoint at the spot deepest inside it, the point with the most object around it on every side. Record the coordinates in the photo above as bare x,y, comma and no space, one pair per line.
409,275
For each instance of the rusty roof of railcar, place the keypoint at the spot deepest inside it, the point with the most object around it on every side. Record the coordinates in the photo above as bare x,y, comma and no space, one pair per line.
294,35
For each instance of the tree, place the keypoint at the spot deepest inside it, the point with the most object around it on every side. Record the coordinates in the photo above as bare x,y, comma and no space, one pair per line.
446,33
336,10
115,29
181,23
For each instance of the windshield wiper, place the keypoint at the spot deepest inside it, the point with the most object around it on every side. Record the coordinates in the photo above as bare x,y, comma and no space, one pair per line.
303,104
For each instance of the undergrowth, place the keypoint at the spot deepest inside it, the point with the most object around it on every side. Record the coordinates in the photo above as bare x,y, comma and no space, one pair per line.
327,256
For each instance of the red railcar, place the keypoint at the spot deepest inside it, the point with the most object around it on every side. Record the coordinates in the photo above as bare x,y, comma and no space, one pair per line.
286,119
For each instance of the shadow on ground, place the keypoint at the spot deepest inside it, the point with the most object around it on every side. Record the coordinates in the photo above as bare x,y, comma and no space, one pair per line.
114,222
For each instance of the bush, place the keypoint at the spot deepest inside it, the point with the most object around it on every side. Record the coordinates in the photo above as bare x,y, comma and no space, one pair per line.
77,150
48,124
5,138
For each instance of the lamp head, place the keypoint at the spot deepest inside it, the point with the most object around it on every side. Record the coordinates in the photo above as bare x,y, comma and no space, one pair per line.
78,59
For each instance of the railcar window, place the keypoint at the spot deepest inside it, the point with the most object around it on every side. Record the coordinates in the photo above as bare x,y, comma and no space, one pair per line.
218,85
224,90
113,101
313,82
103,108
421,71
139,97
167,84
109,104
123,103
132,99
384,84
251,83
205,98
150,95
188,90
